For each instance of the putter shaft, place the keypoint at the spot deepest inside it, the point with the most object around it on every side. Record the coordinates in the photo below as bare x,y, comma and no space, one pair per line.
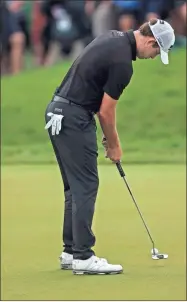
122,173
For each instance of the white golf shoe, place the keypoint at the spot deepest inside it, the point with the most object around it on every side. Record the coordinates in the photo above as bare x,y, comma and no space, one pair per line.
95,266
66,261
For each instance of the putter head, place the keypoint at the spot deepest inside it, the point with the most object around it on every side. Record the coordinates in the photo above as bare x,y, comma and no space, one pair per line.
159,256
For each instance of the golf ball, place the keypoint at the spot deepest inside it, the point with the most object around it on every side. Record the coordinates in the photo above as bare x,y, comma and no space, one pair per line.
154,251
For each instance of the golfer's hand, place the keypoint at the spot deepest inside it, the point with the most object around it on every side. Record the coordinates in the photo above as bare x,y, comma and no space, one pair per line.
55,123
114,154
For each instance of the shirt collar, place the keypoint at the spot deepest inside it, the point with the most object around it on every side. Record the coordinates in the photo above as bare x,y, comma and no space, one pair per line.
132,41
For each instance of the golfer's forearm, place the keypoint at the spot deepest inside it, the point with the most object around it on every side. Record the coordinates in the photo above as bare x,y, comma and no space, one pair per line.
108,126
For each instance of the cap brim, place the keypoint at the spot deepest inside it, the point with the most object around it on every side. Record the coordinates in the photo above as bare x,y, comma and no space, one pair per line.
164,57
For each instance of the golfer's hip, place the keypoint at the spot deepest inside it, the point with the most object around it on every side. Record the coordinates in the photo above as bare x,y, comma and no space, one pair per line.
75,117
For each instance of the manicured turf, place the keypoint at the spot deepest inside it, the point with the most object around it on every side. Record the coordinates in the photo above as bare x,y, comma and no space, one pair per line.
32,211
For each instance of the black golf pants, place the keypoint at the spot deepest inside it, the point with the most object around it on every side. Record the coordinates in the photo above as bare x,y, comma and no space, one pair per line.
76,153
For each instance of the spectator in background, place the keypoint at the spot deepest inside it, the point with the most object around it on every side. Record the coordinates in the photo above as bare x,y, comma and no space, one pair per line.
38,24
178,21
83,22
128,14
101,14
57,21
50,28
18,8
31,22
12,42
174,11
157,9
66,22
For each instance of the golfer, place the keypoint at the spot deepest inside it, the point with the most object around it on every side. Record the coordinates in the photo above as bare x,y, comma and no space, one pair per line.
92,86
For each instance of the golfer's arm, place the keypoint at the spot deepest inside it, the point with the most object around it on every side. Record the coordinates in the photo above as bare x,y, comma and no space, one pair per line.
107,119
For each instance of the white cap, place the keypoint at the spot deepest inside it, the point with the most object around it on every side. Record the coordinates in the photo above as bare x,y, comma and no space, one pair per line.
165,37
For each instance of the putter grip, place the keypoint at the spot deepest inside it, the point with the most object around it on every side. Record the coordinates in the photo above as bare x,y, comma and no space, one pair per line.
120,169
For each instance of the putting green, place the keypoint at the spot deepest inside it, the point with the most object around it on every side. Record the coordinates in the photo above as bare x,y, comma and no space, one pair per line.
32,211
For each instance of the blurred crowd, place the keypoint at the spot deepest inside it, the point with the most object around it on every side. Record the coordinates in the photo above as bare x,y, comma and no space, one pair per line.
48,30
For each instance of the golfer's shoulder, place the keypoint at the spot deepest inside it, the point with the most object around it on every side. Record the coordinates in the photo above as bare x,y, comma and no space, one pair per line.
118,45
111,39
100,51
107,51
112,45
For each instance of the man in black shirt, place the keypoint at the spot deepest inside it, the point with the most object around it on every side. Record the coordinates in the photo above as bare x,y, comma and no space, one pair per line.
93,85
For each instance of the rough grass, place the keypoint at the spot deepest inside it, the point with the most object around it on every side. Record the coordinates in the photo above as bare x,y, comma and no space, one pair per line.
151,114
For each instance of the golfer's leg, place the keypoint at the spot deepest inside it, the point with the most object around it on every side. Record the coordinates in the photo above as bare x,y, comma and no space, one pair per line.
85,190
67,235
78,152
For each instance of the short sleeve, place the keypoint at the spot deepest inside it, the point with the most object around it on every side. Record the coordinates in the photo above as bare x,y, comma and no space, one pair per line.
119,76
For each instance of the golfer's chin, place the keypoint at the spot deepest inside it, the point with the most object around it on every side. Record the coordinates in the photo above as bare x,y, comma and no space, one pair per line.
143,57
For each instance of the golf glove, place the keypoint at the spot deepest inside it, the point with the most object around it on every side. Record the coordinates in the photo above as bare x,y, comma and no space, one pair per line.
55,123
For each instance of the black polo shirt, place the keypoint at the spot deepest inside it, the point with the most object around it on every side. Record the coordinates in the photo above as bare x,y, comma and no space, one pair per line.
105,65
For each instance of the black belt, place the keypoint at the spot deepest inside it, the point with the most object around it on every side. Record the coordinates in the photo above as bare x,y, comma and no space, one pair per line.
60,99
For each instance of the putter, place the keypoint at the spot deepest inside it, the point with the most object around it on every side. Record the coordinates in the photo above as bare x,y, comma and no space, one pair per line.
154,252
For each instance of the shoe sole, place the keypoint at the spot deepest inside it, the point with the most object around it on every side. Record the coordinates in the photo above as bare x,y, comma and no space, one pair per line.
82,272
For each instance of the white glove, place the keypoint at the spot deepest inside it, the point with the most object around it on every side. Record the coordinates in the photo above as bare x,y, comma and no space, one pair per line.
55,122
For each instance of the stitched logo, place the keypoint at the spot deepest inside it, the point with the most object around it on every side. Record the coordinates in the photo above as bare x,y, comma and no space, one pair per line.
58,110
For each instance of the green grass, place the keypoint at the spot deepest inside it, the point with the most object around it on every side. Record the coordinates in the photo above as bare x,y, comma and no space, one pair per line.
32,211
151,114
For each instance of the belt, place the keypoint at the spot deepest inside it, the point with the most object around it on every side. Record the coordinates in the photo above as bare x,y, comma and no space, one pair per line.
60,99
